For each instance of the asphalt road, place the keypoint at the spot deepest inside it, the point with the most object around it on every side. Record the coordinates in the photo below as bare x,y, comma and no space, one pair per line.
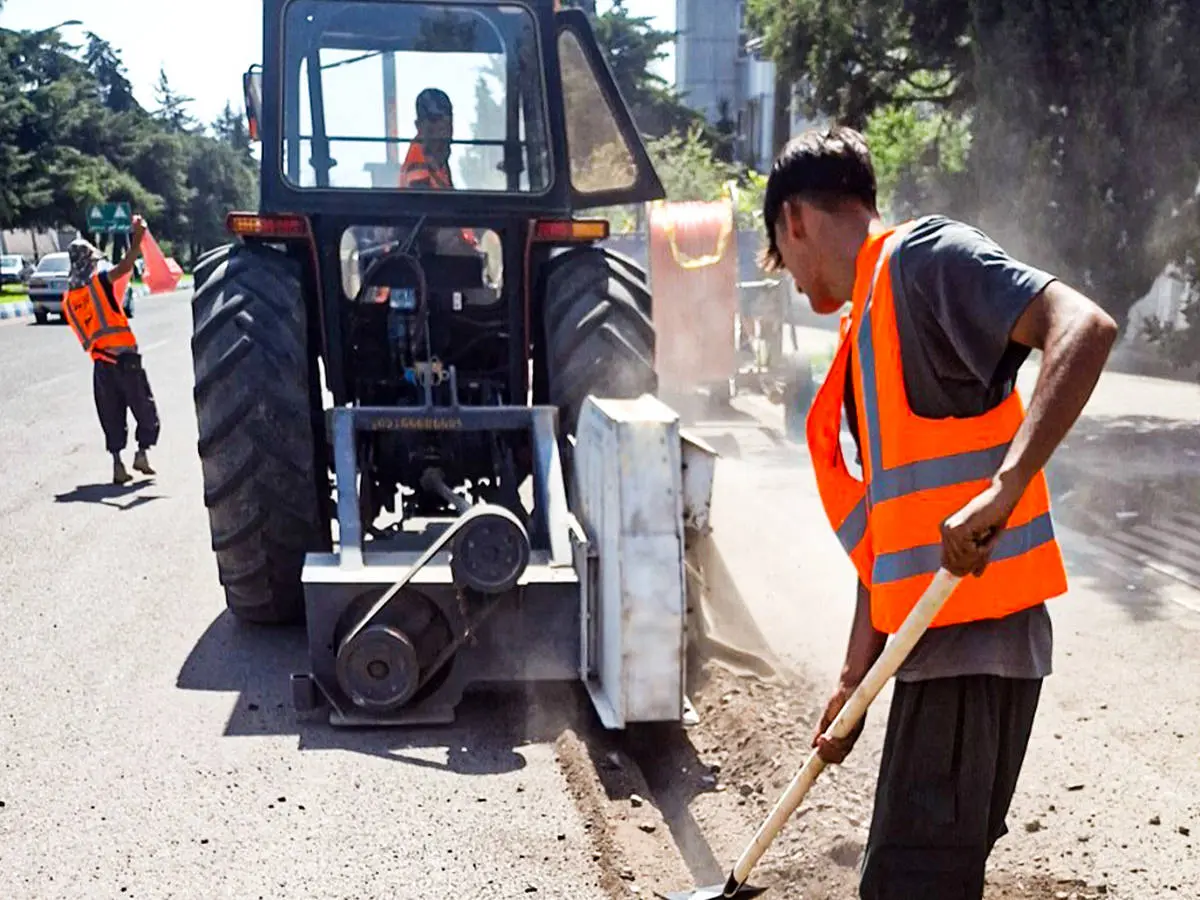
147,743
148,747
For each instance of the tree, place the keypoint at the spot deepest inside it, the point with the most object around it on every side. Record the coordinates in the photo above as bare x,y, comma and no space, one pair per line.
172,107
220,181
21,185
72,135
106,68
479,164
854,56
1068,129
230,127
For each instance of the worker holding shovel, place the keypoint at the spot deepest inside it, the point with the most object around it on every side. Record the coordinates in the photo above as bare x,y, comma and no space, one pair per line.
941,320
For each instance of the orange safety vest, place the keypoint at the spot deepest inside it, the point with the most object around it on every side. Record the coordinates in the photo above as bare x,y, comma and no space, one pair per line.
918,472
417,172
102,329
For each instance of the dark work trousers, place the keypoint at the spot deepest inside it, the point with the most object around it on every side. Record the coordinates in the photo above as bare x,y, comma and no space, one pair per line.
951,757
119,387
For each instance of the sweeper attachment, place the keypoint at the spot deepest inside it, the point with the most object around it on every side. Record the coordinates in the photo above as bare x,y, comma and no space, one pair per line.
589,588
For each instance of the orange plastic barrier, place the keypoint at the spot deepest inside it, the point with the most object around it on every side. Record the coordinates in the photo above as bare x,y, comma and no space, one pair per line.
693,271
162,275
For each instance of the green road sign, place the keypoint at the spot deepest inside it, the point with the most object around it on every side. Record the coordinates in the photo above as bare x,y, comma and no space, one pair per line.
106,218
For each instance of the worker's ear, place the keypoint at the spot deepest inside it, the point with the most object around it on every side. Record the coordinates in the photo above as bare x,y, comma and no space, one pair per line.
793,218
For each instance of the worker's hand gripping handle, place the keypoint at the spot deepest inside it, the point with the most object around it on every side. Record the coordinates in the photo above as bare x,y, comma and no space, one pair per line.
847,720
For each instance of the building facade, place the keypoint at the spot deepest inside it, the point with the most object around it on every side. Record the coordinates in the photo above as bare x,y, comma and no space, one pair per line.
720,72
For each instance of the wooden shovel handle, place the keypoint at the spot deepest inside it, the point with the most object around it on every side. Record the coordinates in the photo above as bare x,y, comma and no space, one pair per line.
851,714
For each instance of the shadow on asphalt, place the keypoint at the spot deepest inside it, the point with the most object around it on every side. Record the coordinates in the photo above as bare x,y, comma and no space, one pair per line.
111,495
492,722
1114,472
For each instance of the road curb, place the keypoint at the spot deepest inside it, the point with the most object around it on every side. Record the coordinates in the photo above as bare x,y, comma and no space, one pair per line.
16,309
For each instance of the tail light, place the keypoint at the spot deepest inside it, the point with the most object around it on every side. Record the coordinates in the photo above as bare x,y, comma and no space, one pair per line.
570,230
284,225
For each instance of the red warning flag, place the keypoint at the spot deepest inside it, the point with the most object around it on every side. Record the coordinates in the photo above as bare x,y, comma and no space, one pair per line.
162,275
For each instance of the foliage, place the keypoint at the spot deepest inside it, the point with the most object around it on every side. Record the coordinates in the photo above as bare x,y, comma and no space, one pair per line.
915,147
854,56
72,134
1068,129
479,165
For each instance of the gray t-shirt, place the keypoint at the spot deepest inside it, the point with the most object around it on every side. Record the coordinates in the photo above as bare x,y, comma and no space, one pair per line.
958,296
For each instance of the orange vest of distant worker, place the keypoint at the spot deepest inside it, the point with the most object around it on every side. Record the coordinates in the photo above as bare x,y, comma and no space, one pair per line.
918,472
102,330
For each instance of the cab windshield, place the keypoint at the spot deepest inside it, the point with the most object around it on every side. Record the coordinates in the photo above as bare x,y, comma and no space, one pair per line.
378,95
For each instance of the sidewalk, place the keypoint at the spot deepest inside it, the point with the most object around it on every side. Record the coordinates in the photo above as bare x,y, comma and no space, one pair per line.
1128,474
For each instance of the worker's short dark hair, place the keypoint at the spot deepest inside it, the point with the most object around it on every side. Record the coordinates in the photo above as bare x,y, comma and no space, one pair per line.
825,168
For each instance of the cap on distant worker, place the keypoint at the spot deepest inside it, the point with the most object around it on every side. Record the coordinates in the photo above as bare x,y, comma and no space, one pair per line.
434,104
80,251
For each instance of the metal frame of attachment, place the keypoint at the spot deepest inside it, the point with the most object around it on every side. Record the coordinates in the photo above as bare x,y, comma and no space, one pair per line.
541,614
550,496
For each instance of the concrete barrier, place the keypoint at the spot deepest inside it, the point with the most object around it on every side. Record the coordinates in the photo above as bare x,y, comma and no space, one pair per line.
23,309
16,309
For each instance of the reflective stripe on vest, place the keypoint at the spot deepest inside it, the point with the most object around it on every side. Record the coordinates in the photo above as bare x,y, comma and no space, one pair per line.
892,527
87,306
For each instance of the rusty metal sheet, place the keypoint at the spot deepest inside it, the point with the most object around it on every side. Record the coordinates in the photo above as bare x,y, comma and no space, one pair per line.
693,271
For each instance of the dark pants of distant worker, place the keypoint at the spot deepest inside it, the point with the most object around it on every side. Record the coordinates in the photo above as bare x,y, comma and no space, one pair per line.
951,757
120,387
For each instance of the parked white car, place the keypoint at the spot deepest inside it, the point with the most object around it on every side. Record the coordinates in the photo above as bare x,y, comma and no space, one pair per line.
48,285
14,269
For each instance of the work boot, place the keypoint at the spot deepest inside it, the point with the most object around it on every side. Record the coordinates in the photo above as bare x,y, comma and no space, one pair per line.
142,463
120,473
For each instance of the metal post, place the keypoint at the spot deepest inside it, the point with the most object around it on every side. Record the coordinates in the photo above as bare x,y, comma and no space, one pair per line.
345,468
550,488
391,112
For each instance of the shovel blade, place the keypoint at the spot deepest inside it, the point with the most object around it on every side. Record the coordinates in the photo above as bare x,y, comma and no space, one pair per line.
715,892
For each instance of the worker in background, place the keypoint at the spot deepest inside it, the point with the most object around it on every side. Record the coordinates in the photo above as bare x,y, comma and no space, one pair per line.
118,380
427,164
941,320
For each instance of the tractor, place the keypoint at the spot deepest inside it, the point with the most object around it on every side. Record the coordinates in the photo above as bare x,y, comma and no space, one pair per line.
427,412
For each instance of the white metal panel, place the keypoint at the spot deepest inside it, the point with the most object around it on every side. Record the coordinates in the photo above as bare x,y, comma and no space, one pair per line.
629,478
699,472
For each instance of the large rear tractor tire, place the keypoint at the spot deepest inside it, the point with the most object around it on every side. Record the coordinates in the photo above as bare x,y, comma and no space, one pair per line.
250,351
599,336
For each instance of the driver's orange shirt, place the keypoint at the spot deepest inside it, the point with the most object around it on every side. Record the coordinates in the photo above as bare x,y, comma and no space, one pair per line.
417,171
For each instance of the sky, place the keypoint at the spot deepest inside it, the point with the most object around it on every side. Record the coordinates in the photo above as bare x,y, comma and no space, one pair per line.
174,34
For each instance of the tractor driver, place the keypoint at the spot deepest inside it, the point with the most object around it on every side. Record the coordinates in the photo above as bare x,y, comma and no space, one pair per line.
428,162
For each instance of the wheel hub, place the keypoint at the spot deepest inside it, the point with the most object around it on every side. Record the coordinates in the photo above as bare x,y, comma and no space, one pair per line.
491,553
378,668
